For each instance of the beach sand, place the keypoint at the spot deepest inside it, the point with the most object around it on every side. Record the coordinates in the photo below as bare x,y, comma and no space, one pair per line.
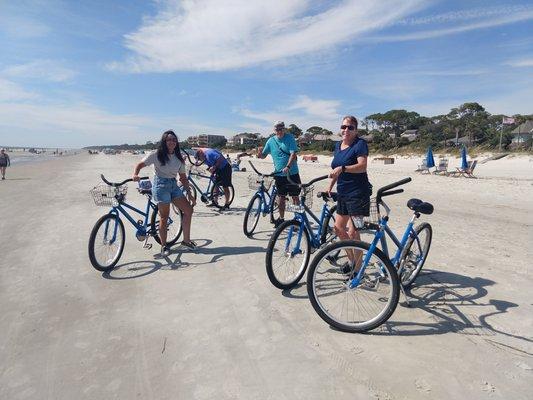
209,325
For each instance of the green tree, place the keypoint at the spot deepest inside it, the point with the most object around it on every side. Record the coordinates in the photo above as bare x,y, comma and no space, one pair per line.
294,130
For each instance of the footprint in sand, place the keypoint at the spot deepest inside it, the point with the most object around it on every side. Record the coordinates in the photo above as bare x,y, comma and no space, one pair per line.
422,385
488,387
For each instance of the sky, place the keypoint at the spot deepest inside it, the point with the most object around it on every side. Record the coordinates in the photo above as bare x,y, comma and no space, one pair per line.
94,72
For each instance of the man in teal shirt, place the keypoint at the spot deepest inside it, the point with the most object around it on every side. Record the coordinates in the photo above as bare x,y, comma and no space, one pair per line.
283,148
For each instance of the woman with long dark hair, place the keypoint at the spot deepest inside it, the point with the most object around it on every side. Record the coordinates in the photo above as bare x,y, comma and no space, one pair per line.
168,163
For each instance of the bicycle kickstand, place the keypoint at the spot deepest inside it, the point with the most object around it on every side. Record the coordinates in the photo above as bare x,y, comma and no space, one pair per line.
407,302
147,245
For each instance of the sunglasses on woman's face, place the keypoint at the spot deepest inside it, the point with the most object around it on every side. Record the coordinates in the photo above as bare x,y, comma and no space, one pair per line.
171,140
349,127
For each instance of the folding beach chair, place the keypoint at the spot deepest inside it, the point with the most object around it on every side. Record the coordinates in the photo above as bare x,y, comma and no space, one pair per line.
467,172
423,168
442,167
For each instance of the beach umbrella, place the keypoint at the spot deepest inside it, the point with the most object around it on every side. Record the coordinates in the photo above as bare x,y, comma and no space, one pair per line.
464,163
430,161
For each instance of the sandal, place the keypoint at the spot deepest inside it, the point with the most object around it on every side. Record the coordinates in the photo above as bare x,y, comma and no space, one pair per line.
190,244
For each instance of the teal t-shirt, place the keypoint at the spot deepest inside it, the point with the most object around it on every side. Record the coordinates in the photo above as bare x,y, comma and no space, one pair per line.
280,150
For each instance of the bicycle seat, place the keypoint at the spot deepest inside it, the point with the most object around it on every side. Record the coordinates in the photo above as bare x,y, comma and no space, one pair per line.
420,206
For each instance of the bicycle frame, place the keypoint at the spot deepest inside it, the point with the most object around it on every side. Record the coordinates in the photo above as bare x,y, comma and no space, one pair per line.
304,221
142,230
381,238
266,205
207,192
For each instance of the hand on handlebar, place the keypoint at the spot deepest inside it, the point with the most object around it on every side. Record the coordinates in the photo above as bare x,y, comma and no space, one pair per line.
285,170
135,178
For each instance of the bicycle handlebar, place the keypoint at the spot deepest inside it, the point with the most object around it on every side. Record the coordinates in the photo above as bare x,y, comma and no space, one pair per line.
304,185
116,184
384,191
191,161
261,174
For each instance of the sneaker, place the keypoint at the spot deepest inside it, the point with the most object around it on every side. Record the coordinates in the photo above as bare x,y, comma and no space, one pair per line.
224,207
190,244
213,204
278,222
165,251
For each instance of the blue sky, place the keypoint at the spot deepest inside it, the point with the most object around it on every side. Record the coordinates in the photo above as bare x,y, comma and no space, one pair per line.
77,73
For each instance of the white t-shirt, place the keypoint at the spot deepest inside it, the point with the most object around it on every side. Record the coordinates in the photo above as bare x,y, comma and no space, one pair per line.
171,168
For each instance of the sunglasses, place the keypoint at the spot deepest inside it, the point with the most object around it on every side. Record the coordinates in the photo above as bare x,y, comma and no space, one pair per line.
349,127
171,140
279,129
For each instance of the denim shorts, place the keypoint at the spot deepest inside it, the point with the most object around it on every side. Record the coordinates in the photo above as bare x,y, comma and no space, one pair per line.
165,189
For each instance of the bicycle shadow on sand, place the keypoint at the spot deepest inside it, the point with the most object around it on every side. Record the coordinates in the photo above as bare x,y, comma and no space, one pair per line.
451,303
446,302
173,262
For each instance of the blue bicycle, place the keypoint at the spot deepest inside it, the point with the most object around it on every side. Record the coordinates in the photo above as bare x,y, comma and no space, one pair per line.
106,242
364,295
291,243
213,190
262,202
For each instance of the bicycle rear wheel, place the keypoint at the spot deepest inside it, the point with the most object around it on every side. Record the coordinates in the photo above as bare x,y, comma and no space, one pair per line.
414,254
252,215
220,197
174,227
285,262
366,306
106,242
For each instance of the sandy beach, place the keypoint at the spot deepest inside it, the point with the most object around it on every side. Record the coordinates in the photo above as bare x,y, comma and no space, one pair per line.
207,324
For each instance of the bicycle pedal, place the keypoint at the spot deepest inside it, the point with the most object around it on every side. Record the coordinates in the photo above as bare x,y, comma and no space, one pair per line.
147,246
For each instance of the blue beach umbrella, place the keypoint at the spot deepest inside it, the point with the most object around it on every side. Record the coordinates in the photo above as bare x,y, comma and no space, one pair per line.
430,161
464,163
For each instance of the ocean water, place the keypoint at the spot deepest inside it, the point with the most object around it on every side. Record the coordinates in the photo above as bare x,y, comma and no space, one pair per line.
18,158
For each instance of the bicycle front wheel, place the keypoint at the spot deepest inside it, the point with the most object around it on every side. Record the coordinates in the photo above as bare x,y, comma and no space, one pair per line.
106,242
215,195
286,260
251,217
361,308
174,227
414,254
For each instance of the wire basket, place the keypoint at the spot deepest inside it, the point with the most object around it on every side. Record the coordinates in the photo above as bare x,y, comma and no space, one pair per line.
255,180
373,217
308,193
110,196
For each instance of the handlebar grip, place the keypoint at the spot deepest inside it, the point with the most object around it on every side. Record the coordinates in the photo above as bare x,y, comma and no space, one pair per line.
393,185
392,192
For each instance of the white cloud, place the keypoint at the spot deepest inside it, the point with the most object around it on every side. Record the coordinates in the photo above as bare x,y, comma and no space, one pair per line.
10,91
303,112
524,15
213,35
40,69
525,62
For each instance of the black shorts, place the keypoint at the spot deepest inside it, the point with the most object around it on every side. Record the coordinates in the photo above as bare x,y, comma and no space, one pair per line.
284,187
223,177
359,205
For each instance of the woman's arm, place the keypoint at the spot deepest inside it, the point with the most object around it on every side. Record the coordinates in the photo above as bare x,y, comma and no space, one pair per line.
359,167
136,171
185,182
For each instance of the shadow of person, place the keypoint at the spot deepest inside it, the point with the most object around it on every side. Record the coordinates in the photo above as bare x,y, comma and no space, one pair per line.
219,252
451,302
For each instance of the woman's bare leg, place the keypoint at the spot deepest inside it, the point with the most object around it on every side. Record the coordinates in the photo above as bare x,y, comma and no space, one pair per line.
186,208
